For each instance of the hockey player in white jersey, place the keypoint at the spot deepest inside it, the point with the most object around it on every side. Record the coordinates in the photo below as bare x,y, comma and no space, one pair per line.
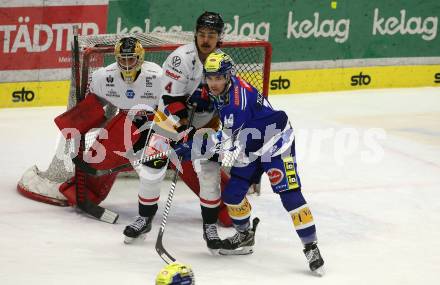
182,78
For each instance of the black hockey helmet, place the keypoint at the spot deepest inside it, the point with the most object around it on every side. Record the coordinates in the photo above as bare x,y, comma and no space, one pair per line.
210,20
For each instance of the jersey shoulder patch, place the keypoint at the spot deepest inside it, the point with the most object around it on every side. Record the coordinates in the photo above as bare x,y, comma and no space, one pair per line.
178,63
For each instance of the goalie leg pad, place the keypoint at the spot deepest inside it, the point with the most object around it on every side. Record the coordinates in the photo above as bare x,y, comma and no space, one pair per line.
85,115
36,187
121,135
98,188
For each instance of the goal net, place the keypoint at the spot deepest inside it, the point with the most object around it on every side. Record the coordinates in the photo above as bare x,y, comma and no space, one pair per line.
251,60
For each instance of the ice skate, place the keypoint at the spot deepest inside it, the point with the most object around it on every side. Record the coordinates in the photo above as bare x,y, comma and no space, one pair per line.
213,241
241,243
316,263
138,229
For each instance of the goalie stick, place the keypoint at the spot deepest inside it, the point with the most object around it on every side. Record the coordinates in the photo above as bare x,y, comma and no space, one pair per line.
163,253
82,201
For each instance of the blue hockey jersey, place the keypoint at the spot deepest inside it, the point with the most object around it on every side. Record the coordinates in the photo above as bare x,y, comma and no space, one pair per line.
244,107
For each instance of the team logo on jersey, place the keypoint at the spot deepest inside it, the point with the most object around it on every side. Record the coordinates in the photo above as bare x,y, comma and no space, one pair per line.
275,176
130,94
176,61
109,80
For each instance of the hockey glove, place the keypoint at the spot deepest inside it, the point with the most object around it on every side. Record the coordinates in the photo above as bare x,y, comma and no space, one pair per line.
184,150
157,144
202,99
202,145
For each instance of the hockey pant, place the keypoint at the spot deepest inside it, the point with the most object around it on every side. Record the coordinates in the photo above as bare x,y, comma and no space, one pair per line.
284,179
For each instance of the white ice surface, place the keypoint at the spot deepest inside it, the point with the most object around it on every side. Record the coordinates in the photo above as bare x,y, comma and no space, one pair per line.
376,205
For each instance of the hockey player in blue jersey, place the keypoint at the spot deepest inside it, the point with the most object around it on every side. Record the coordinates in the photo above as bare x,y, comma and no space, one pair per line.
266,138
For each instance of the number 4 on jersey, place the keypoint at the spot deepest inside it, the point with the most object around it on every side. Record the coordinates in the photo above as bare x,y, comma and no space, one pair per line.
168,87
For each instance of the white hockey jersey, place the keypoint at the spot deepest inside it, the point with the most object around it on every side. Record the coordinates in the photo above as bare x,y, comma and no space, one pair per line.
182,75
108,84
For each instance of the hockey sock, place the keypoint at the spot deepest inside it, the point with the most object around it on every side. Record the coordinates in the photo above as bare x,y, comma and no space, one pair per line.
296,205
240,214
209,215
147,210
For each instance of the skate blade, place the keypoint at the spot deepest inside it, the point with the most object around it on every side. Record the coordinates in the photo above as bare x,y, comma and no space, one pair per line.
319,272
130,240
214,251
239,251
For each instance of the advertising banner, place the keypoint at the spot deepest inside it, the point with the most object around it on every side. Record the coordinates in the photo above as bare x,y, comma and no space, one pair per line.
301,30
33,94
317,45
40,37
354,78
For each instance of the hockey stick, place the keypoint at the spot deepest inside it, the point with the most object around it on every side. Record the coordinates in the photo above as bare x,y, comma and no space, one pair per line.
163,253
87,168
82,201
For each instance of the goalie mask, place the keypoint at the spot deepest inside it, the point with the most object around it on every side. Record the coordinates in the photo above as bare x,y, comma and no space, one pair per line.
175,274
129,55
